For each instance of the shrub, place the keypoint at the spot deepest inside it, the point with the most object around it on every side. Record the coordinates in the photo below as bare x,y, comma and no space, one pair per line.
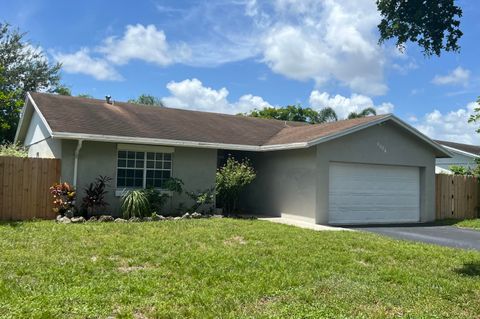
11,149
94,199
230,180
63,199
135,204
174,184
201,198
460,170
156,199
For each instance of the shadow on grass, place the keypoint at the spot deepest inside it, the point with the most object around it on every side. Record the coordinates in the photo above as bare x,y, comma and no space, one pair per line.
471,269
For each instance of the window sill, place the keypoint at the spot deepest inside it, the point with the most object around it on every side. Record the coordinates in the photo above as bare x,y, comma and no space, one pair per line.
120,191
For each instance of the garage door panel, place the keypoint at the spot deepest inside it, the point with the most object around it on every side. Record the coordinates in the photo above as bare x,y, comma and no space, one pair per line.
361,193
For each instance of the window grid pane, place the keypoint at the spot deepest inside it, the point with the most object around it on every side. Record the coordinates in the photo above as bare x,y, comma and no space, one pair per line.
131,171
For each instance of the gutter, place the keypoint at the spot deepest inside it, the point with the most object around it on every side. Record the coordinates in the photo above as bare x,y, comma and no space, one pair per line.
75,165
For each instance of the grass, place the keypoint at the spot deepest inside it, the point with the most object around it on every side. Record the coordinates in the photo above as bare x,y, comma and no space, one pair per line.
224,268
469,223
466,223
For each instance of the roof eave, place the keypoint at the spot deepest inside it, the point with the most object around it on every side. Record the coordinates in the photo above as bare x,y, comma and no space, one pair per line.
456,150
169,142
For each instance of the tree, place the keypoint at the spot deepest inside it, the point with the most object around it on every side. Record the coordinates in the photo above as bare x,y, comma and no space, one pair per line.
296,113
85,95
147,99
433,24
63,90
365,112
230,179
475,117
23,68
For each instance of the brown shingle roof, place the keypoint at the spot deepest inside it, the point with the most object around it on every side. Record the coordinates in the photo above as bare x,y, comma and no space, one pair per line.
474,149
311,132
65,114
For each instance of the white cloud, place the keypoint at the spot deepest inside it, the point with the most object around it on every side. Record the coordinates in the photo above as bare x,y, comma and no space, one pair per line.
143,43
344,105
191,94
450,126
457,76
81,62
326,41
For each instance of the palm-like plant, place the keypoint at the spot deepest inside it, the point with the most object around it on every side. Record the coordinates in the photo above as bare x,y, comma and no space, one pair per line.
365,112
135,204
327,114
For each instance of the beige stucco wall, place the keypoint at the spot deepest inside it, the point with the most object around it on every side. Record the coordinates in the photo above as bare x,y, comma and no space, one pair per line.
196,167
295,182
285,184
381,144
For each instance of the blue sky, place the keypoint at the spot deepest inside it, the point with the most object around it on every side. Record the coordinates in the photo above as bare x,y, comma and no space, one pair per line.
232,56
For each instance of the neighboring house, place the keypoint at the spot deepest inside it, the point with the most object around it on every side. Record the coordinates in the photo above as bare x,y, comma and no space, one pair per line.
376,169
464,155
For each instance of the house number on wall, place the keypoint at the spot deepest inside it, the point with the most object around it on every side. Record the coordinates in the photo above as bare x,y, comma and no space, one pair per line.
382,147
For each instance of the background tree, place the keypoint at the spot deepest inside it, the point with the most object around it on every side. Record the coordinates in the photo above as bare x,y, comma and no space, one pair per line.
23,68
85,95
147,99
433,24
363,113
63,90
296,113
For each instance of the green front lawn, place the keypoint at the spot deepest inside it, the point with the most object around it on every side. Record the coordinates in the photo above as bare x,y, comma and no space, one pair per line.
224,268
466,223
469,223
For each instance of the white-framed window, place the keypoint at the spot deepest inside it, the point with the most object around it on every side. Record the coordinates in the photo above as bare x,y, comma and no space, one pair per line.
142,168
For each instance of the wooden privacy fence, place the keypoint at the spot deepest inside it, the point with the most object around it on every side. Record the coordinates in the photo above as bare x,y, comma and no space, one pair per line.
457,196
24,187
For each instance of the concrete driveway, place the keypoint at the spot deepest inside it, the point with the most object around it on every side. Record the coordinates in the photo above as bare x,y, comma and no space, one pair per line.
450,236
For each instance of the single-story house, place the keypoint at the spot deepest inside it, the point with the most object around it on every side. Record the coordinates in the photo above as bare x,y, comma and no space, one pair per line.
376,169
464,155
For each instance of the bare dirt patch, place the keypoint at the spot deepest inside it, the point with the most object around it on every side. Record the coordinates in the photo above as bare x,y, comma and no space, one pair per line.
235,240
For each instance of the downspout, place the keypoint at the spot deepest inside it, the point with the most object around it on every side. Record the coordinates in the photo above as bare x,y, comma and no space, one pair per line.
75,165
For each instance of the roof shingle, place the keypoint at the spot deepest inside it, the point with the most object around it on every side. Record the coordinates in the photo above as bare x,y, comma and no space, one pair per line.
91,116
473,149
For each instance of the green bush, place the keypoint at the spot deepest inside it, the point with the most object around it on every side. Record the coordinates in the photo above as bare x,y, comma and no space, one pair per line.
11,149
230,180
201,198
156,199
135,204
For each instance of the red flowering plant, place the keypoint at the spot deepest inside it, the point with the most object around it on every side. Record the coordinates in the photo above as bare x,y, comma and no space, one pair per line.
63,198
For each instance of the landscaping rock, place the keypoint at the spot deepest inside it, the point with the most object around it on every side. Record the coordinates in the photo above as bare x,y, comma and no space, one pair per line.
105,219
134,220
64,220
186,216
196,215
120,220
157,217
177,218
147,219
217,216
92,219
78,220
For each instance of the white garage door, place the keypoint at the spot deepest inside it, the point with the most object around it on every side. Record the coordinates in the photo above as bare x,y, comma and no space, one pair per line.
362,194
